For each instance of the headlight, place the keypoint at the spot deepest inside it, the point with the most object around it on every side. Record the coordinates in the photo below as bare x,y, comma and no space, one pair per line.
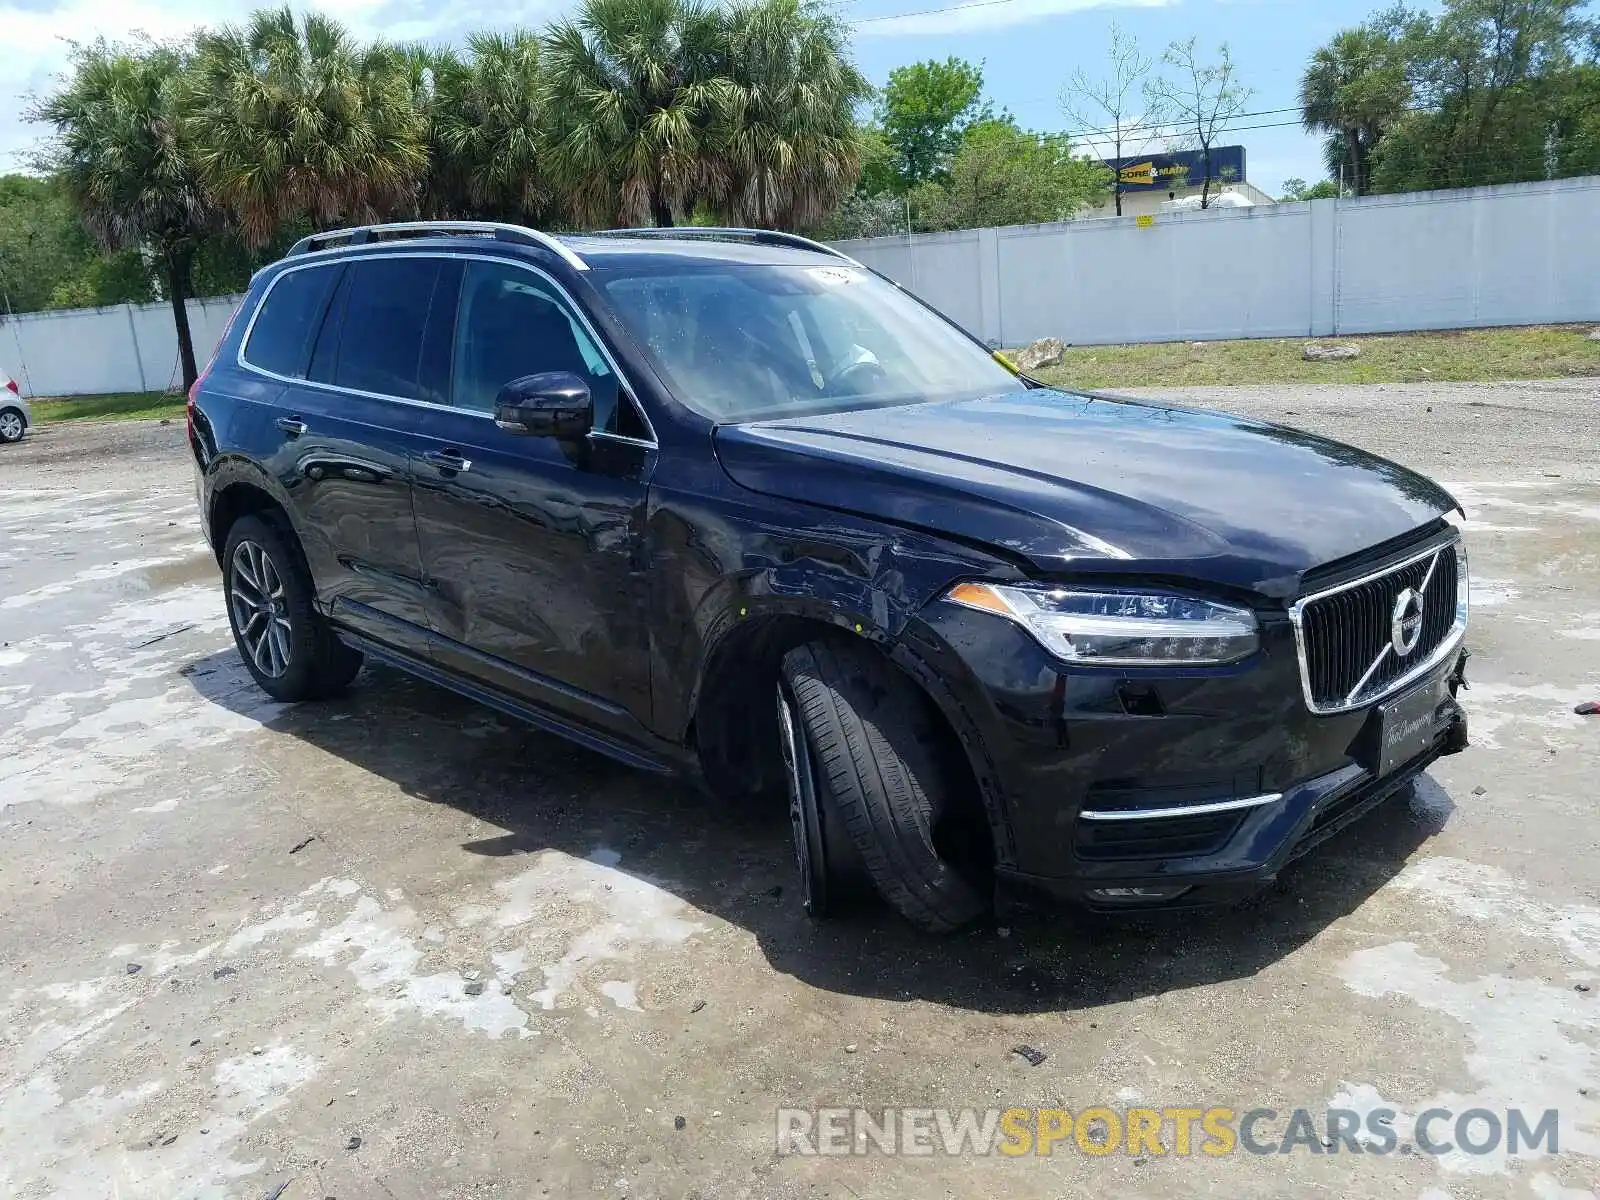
1119,629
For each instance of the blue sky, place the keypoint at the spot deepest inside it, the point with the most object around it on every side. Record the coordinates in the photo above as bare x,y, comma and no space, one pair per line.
1028,47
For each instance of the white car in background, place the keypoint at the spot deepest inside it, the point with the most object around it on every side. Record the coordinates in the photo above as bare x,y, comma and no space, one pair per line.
14,415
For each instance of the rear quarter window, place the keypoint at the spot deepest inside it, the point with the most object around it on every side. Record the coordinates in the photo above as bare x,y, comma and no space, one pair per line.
283,331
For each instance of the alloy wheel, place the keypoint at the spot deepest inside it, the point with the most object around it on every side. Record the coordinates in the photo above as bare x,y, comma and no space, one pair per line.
805,817
260,608
10,427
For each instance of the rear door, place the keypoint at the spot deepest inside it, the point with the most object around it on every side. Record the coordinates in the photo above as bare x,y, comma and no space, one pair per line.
347,420
532,545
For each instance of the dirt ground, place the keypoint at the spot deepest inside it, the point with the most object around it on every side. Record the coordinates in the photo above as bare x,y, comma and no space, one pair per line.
396,946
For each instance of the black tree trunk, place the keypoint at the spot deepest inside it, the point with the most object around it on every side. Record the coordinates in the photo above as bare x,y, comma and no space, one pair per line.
660,210
179,285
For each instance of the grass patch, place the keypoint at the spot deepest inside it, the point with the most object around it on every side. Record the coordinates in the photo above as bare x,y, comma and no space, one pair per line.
114,406
1457,356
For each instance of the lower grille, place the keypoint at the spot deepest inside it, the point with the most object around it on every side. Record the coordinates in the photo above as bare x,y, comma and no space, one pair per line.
1363,639
1361,797
1168,837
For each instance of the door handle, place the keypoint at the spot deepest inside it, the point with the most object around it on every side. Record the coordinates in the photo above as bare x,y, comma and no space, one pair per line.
293,426
447,460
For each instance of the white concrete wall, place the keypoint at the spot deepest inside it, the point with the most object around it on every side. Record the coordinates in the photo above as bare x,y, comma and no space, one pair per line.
1520,254
125,348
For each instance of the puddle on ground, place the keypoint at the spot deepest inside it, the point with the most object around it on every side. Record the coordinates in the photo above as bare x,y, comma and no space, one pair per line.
174,574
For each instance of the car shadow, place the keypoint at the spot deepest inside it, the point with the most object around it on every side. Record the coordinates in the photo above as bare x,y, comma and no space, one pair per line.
734,861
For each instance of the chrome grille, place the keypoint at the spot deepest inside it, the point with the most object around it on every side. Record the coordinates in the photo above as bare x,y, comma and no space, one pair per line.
1345,634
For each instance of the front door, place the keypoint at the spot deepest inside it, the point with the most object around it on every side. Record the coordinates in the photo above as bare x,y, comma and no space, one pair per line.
532,545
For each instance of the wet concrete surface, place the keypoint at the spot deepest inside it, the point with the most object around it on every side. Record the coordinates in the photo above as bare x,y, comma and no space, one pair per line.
396,946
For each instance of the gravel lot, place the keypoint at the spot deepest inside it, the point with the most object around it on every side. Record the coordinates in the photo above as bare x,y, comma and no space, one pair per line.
395,946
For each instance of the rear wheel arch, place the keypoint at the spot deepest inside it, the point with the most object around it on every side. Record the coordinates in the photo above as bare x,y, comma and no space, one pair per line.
287,646
240,498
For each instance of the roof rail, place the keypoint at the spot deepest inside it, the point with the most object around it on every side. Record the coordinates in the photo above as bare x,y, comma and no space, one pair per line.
720,233
361,234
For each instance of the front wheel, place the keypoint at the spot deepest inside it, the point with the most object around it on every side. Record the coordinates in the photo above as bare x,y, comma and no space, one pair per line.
865,736
286,645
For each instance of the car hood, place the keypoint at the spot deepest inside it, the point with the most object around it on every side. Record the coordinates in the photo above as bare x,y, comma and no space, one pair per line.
1081,482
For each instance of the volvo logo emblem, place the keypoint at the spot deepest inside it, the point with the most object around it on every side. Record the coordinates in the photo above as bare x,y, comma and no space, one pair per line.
1405,626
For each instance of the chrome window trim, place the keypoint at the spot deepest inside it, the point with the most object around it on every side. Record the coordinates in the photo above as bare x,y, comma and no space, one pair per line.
627,390
1450,643
602,435
1181,810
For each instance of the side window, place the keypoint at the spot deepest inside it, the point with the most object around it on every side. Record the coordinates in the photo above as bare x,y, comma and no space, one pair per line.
383,341
284,329
512,323
325,349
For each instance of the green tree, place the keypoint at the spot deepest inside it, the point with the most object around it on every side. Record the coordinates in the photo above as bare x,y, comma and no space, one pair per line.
878,170
925,110
783,131
1497,87
1575,118
1003,175
863,215
1297,189
629,89
296,119
47,258
121,152
1353,90
1203,98
486,132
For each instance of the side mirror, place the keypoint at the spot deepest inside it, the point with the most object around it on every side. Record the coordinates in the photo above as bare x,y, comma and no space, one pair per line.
551,404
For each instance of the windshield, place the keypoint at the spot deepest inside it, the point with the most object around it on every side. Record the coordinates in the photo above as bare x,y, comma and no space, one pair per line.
738,342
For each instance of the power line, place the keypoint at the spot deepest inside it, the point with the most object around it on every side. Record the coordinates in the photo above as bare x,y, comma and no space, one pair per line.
1154,129
1222,130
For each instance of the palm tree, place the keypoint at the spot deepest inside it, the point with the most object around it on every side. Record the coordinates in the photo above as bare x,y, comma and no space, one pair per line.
1352,91
783,127
486,135
628,93
296,119
120,151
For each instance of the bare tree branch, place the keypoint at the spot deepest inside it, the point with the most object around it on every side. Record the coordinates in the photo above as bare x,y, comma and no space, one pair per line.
1203,97
1117,112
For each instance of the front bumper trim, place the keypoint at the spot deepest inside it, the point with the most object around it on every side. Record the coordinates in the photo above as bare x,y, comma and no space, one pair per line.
1182,810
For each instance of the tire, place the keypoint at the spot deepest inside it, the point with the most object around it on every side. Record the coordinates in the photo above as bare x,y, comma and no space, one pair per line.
12,424
871,735
287,647
832,878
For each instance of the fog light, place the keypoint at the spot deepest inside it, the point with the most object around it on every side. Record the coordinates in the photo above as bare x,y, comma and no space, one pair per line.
1126,895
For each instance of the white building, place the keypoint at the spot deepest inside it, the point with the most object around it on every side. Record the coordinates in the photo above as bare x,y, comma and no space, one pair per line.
1171,182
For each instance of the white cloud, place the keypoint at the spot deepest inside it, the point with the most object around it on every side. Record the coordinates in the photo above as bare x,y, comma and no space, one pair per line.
976,16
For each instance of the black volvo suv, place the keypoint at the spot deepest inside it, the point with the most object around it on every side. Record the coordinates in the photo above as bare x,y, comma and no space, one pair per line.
726,502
